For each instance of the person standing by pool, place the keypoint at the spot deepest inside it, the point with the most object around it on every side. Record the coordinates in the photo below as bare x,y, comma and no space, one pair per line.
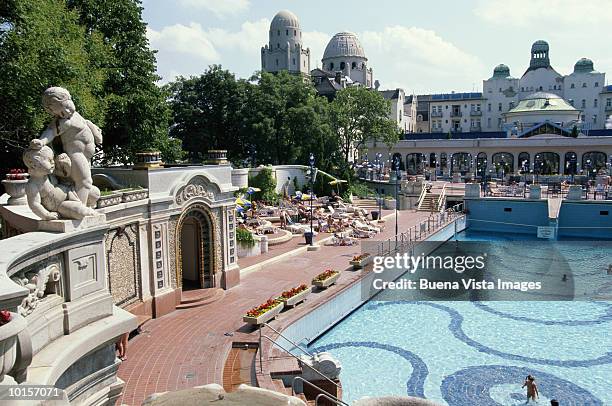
532,388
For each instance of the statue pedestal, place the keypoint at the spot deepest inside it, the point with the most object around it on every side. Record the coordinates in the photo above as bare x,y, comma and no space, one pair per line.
63,226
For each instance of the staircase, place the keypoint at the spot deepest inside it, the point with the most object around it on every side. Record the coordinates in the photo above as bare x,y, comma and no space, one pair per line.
367,203
200,297
432,200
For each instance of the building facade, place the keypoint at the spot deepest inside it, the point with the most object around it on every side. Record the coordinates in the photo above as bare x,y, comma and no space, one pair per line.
285,50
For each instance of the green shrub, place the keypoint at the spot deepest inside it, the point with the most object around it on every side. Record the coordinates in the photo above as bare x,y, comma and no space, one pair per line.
245,237
360,190
266,182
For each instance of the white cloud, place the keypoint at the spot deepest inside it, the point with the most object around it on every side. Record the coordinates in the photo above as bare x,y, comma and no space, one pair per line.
251,37
316,41
410,55
183,39
219,8
559,12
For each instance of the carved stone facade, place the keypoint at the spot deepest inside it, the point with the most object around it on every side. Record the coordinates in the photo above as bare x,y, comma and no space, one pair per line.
197,187
123,264
41,279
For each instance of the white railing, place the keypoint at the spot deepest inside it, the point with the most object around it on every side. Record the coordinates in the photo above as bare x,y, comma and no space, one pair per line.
441,197
422,196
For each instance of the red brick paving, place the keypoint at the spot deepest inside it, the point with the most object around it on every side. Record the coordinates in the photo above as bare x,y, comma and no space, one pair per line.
188,347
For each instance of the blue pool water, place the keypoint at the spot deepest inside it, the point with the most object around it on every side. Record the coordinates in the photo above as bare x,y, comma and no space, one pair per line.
479,353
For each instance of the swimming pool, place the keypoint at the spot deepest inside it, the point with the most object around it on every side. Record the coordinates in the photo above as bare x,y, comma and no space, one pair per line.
478,353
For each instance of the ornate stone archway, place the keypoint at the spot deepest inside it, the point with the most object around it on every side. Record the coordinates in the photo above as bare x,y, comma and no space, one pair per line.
208,259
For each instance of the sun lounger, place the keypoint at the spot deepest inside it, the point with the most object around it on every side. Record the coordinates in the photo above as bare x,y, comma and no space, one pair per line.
364,226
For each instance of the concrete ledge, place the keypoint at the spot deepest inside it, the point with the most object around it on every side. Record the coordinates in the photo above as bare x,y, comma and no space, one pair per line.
54,359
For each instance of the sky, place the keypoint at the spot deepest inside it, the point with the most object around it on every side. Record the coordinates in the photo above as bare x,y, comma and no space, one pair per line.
421,46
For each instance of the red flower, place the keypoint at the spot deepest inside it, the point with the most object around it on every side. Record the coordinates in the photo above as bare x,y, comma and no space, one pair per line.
360,257
325,275
261,309
294,291
5,317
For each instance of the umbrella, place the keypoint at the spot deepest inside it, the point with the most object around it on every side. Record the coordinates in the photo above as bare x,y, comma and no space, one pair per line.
252,190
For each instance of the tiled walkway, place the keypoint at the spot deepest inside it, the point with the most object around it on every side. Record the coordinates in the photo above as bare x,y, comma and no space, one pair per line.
188,347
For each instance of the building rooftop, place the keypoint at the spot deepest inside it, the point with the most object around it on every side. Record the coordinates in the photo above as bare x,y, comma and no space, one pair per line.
455,96
542,101
343,44
390,94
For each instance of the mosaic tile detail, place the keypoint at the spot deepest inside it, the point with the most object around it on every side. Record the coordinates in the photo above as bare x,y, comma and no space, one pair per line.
606,317
415,384
471,386
123,264
456,329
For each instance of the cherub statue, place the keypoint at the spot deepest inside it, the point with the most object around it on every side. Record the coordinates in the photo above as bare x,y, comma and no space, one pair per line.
49,199
79,138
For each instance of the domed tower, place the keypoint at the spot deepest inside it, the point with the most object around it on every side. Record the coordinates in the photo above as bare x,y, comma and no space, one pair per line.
539,55
501,71
344,53
584,65
285,50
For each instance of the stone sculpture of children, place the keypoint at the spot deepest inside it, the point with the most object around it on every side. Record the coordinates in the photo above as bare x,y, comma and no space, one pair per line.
46,197
79,138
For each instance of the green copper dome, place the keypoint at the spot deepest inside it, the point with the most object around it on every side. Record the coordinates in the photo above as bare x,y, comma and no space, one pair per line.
540,46
584,65
501,71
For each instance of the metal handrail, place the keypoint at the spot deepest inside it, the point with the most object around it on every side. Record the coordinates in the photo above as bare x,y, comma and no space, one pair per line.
293,355
442,195
296,345
323,395
312,385
422,196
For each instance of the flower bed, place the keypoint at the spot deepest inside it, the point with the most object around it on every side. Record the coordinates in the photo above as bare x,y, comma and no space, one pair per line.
359,261
264,312
296,295
326,279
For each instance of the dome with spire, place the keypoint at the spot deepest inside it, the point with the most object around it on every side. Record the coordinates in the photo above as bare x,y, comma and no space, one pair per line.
284,19
583,65
343,44
501,71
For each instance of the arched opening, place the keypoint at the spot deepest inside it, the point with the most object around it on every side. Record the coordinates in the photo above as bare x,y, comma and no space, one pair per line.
461,162
481,164
503,162
354,65
342,65
593,161
195,255
331,66
415,163
433,160
571,163
443,163
524,162
546,163
399,157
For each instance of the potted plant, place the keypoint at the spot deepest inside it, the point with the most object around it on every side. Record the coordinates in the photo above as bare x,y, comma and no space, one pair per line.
389,202
11,324
137,193
264,312
15,184
295,295
359,261
326,279
109,198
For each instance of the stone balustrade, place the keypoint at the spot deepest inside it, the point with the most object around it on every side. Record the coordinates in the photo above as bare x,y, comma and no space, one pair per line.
56,284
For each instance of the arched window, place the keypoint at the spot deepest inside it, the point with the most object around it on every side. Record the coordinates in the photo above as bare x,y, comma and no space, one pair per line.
432,160
278,32
415,163
524,162
461,162
331,66
571,163
443,162
278,45
342,65
546,163
354,65
287,32
481,164
399,157
503,161
593,161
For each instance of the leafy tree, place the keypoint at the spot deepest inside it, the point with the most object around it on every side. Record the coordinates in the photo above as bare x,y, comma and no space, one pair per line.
360,115
207,113
137,115
265,181
287,121
42,45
